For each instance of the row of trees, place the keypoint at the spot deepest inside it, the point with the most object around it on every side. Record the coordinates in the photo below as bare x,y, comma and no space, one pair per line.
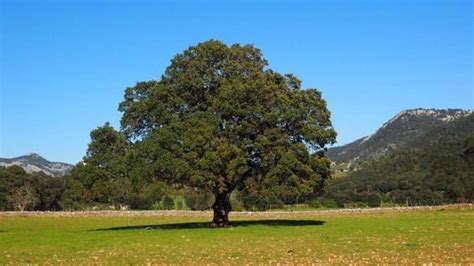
40,192
112,173
439,174
22,191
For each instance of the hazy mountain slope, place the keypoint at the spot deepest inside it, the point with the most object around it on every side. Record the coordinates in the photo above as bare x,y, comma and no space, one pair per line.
402,130
35,163
435,168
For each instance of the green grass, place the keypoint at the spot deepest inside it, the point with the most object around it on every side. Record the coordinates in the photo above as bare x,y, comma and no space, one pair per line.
438,236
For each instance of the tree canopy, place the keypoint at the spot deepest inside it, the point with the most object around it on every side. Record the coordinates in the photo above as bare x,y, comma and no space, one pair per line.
219,120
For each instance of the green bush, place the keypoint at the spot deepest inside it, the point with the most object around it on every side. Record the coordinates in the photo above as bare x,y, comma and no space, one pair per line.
157,206
373,200
198,200
236,204
154,192
168,203
179,204
261,201
315,203
329,203
139,202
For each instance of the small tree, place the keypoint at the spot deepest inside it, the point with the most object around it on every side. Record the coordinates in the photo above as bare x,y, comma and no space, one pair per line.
25,197
102,175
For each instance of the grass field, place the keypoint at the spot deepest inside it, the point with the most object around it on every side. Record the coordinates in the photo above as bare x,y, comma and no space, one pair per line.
443,235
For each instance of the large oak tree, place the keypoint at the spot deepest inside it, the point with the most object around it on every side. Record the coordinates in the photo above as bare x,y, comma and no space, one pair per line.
220,120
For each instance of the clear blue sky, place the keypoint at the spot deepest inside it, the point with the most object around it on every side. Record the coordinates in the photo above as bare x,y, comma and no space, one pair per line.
65,65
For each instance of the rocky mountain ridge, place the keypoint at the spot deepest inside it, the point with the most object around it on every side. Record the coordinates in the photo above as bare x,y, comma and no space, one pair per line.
35,163
404,128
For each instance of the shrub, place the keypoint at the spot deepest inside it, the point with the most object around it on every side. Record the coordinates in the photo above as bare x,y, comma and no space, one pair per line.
373,200
179,205
168,203
315,203
139,202
236,204
198,200
329,203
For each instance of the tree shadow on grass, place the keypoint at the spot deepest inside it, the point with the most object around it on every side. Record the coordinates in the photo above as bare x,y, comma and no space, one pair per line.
202,225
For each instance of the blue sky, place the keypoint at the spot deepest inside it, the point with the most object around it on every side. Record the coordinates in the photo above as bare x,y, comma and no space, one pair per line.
65,65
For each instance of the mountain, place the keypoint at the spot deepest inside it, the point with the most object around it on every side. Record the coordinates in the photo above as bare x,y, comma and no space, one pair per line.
35,163
419,157
403,130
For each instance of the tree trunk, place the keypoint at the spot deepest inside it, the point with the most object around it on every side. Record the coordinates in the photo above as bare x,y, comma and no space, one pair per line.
221,209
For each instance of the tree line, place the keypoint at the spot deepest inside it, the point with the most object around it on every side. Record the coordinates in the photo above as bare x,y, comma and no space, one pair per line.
22,191
440,172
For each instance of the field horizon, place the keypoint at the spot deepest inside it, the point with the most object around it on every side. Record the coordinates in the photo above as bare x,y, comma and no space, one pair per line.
243,213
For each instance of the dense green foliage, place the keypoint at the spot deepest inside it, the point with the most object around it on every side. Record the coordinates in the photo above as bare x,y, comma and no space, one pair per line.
437,169
22,191
102,176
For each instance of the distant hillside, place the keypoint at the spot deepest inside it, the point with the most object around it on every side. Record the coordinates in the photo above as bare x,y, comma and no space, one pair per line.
402,130
434,164
35,163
